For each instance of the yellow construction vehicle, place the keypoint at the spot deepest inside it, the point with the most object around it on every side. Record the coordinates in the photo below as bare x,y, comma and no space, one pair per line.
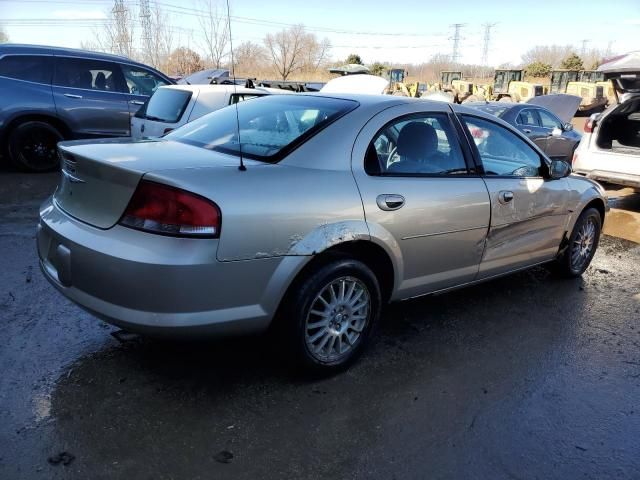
508,86
560,79
593,76
397,86
451,82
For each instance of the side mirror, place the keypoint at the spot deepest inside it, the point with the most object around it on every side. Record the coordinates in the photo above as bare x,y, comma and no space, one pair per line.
556,132
567,127
559,169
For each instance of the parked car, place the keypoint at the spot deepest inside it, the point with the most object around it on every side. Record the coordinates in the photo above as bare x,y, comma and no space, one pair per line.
309,217
209,76
610,149
550,128
51,94
172,106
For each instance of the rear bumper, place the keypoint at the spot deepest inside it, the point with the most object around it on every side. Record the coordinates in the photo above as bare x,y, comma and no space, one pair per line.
159,285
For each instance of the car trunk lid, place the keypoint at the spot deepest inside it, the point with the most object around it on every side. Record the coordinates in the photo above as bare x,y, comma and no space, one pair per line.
562,105
98,179
624,73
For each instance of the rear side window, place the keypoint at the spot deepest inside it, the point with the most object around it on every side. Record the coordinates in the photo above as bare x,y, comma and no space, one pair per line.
528,118
87,74
270,127
32,68
167,105
424,144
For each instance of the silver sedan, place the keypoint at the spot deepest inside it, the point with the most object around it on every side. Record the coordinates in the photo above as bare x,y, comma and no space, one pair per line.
308,213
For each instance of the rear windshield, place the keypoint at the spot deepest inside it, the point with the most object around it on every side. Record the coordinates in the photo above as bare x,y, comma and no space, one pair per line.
167,105
270,127
496,110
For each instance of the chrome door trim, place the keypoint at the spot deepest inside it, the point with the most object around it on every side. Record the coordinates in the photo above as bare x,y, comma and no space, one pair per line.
445,232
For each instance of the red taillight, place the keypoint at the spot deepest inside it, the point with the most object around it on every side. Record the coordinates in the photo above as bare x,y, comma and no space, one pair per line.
167,210
588,125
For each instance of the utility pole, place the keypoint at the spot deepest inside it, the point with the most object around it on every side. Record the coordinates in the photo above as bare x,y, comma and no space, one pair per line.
583,50
145,22
486,41
455,52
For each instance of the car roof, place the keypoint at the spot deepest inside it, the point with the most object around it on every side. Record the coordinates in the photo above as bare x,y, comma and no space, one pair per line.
16,48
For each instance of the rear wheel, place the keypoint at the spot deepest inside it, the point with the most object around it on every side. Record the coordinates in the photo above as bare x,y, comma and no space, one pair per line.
32,146
331,316
583,243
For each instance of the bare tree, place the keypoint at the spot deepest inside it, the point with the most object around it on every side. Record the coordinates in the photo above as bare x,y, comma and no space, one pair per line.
547,54
3,36
184,61
248,58
215,29
294,50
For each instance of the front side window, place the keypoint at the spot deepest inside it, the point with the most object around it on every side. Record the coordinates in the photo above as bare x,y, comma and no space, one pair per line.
548,120
32,68
140,81
269,127
502,152
424,144
87,74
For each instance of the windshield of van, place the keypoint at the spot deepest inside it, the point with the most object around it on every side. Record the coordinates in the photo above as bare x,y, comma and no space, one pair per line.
270,127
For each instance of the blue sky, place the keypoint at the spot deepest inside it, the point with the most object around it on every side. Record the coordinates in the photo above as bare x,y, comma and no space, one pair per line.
403,32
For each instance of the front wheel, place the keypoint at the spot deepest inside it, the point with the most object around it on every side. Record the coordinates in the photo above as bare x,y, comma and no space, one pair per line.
583,243
330,318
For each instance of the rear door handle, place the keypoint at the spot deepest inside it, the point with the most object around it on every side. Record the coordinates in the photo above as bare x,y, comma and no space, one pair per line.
71,95
526,130
136,102
505,197
389,202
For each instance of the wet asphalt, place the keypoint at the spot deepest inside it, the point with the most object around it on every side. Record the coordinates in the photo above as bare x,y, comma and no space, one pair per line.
525,377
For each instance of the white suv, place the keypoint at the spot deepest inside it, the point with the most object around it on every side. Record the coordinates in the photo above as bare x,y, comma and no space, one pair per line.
610,148
171,107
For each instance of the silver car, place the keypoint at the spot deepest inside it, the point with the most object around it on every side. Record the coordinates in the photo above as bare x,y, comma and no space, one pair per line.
307,213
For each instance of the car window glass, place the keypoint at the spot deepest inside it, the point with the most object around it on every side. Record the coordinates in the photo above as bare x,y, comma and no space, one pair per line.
241,97
502,152
424,144
86,74
265,128
548,120
140,81
167,105
528,118
33,68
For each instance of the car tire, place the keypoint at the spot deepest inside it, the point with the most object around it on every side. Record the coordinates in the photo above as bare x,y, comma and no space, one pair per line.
32,146
582,245
327,332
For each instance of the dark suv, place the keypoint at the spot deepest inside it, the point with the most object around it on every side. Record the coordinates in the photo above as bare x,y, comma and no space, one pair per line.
51,94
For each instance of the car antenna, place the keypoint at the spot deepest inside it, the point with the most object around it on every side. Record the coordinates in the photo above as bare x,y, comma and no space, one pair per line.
242,168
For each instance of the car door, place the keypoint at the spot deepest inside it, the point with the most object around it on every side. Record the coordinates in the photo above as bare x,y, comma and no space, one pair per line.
140,84
528,122
528,210
559,144
89,98
420,192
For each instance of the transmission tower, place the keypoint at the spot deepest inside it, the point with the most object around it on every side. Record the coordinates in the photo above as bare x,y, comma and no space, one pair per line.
145,22
455,52
583,50
122,41
486,41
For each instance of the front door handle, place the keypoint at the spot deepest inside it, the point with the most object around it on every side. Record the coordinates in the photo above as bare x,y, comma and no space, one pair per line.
71,95
389,202
136,102
505,197
526,130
